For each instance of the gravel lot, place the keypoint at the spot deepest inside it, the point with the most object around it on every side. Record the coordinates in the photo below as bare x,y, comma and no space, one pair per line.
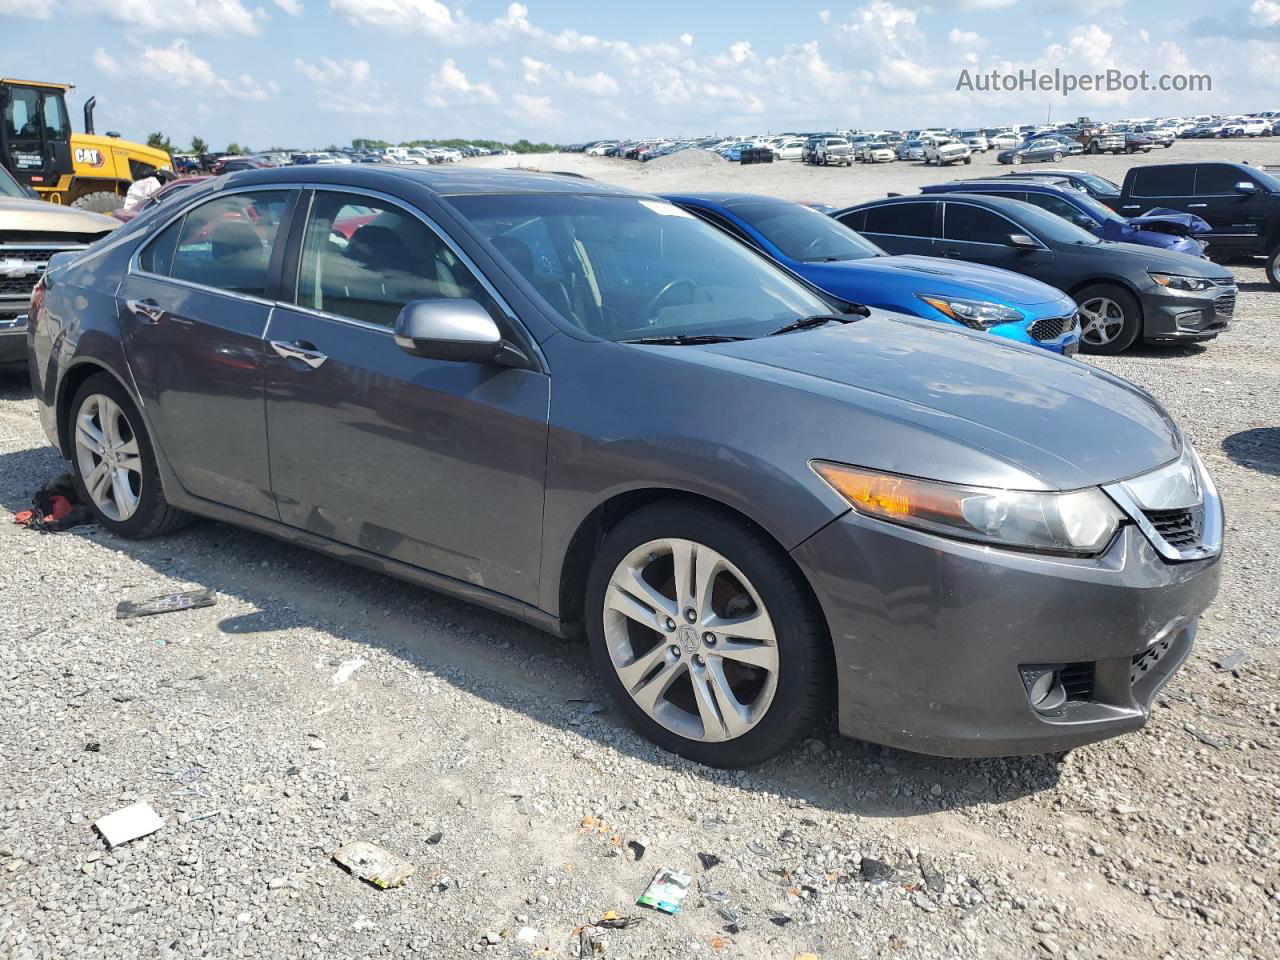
481,751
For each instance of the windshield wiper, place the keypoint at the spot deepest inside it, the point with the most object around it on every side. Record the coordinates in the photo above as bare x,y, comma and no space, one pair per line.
817,320
684,340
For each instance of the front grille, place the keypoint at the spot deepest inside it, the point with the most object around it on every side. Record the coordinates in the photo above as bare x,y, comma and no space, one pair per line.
10,286
1224,305
1051,328
1178,528
1145,661
1077,680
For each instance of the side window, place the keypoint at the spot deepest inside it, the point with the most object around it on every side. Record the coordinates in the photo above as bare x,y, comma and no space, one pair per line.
1171,181
20,114
902,219
365,259
1054,205
227,242
856,221
55,118
157,256
963,221
1217,178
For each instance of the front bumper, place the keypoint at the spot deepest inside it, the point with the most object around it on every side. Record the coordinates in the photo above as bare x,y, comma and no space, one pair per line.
1175,318
936,640
13,340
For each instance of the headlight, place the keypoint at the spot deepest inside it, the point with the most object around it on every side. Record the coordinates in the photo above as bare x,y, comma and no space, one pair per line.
978,314
1080,522
1179,284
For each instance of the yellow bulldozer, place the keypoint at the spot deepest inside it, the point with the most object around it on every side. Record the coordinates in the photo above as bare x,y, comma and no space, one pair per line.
82,170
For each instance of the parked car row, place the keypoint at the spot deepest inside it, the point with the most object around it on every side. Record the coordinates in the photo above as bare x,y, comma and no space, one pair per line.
824,503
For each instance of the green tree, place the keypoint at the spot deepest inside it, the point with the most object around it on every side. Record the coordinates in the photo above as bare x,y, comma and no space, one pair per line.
198,146
160,142
236,149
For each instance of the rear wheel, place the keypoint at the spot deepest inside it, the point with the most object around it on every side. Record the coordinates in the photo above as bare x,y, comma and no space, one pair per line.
1273,267
114,463
706,636
1015,159
102,201
1110,319
1057,157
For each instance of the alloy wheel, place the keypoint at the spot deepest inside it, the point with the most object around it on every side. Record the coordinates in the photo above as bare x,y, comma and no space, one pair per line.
1102,320
108,457
691,640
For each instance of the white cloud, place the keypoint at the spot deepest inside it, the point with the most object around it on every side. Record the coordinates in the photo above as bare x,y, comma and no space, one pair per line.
966,38
105,63
179,66
537,109
344,86
597,85
292,7
686,39
824,16
419,16
450,85
1264,13
535,71
24,9
220,18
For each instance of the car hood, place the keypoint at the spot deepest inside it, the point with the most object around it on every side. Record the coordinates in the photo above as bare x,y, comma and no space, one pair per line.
1179,224
1170,261
934,275
17,213
1036,420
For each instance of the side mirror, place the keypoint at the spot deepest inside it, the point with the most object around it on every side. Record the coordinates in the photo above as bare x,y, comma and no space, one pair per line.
1023,241
1246,187
458,330
1080,220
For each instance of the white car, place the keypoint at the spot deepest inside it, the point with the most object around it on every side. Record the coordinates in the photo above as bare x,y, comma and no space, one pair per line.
1249,127
945,151
975,140
877,151
600,148
789,150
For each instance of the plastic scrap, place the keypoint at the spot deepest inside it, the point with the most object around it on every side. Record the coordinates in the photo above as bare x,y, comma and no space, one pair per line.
168,603
55,507
1231,661
373,864
346,669
129,823
666,891
708,860
612,921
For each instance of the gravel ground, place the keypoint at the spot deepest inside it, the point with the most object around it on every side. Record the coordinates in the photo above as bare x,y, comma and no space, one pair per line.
481,751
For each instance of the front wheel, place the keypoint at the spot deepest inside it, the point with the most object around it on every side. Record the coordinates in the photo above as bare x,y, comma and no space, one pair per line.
101,202
1110,319
1273,268
968,160
1015,160
706,635
1057,157
114,463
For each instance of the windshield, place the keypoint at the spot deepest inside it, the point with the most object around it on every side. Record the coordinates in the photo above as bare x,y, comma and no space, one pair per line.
802,233
623,268
1096,183
10,187
1266,180
1050,226
1099,210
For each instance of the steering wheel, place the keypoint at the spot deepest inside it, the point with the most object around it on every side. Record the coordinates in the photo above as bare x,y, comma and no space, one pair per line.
666,289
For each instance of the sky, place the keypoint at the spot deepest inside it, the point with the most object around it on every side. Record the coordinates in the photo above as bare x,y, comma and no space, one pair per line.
307,73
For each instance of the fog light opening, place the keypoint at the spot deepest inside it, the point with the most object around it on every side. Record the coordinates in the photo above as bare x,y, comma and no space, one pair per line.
1044,688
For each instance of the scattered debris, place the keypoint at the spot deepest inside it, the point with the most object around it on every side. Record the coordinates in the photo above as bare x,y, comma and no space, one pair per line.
55,507
588,944
637,849
527,935
665,891
129,823
168,603
373,864
315,744
933,880
1204,738
1231,661
435,838
729,916
718,897
876,871
491,938
347,668
780,920
758,849
612,921
93,746
708,860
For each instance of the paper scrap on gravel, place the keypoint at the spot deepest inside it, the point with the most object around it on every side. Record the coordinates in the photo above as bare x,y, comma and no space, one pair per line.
373,864
346,669
666,891
129,823
168,603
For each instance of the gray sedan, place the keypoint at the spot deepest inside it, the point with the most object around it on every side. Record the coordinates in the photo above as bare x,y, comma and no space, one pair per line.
587,409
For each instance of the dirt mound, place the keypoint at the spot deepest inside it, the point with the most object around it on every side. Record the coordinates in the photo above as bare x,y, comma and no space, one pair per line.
692,158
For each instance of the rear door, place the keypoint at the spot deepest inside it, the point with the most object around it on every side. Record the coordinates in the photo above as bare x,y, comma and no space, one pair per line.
980,235
1167,185
1237,218
435,464
194,309
908,226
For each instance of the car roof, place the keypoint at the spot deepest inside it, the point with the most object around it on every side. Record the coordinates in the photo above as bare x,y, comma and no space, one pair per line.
960,186
723,198
1003,204
441,182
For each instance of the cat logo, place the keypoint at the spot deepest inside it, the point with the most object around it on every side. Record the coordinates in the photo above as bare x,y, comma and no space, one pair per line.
89,156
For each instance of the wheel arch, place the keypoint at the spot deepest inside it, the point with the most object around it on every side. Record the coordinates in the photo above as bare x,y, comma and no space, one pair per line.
591,531
1120,282
68,385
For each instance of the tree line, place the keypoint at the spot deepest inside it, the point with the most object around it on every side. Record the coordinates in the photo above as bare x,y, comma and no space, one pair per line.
199,146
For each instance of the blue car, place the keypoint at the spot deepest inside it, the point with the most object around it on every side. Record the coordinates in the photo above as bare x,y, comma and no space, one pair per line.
836,259
1166,229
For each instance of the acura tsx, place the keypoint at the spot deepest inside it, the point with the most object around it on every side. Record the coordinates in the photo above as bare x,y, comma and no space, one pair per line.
586,408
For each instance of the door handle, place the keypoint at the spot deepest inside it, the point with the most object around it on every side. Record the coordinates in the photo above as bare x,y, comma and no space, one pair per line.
1196,205
148,311
951,254
299,350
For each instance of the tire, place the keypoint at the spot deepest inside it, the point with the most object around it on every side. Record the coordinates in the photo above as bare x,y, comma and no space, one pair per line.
1016,160
1057,157
1273,268
784,704
151,515
101,202
1111,319
968,160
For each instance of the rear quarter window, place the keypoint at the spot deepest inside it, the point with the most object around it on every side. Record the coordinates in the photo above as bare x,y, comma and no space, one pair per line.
902,219
1174,181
